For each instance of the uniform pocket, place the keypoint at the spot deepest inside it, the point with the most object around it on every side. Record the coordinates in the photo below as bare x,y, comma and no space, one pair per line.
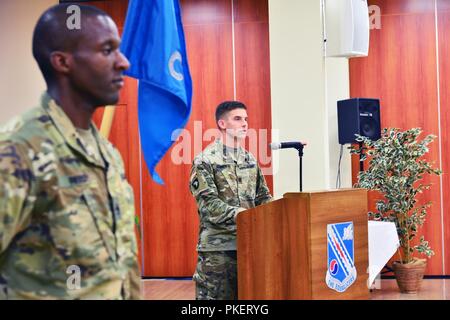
126,226
248,178
75,230
225,181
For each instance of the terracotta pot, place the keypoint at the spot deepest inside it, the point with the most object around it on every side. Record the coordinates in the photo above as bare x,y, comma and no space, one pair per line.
409,276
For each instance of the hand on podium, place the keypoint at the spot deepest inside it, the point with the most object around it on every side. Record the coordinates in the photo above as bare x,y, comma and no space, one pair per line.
239,210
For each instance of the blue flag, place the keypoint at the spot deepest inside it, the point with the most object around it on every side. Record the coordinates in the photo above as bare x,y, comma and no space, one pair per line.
153,41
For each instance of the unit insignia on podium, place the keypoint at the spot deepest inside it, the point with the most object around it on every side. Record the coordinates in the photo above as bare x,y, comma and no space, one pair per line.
341,272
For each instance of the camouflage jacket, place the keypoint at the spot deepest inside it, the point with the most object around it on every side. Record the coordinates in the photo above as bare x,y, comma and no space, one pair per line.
221,184
66,218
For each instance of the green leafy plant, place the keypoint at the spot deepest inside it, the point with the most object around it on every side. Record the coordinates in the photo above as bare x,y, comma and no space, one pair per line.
396,169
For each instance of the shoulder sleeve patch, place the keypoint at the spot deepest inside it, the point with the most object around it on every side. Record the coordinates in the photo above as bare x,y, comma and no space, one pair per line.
200,180
195,184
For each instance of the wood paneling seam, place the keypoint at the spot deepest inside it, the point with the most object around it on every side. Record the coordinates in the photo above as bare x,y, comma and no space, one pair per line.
141,208
234,49
438,85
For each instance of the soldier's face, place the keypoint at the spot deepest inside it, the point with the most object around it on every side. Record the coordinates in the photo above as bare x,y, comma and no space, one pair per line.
98,63
235,123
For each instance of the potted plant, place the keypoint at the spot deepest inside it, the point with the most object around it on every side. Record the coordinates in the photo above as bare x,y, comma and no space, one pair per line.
396,169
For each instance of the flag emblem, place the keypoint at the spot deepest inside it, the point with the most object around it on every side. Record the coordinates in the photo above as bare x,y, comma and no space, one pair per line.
333,267
341,271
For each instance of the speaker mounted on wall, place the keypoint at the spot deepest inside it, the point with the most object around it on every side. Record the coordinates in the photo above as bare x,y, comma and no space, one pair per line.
346,28
358,116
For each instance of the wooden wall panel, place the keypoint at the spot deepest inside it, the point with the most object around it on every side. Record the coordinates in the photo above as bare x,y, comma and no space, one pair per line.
443,7
402,7
205,12
250,11
401,71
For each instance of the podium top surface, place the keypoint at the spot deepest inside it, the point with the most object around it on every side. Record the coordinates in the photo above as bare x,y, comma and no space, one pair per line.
316,192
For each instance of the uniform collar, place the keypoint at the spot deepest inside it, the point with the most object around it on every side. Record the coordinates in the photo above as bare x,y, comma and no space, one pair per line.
68,131
226,155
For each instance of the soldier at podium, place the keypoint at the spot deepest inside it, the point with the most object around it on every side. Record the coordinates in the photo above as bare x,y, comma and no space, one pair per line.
225,180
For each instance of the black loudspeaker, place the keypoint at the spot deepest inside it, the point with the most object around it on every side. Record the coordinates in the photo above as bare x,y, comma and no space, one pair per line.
358,116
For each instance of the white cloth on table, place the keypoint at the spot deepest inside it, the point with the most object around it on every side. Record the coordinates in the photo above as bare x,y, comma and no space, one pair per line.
383,243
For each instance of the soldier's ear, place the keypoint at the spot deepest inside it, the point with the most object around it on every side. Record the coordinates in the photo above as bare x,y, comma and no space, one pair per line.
61,61
221,124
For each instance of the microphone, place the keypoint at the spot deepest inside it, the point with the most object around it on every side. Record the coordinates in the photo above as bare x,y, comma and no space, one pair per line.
286,145
294,145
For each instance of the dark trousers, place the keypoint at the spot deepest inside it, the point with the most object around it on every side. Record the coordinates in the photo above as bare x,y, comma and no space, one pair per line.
216,276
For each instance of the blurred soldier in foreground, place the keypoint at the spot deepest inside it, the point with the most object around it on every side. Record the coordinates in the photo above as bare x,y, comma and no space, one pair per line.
225,180
66,209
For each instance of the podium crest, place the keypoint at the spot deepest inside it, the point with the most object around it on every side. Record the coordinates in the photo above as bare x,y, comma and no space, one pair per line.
341,271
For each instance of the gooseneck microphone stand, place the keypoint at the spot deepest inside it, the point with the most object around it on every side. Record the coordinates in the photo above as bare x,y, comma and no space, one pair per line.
294,145
300,156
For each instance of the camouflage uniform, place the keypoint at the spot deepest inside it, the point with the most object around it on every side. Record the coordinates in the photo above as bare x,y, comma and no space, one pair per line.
222,182
63,213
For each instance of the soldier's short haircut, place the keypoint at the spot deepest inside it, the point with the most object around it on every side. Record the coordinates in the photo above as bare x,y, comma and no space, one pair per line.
228,106
52,33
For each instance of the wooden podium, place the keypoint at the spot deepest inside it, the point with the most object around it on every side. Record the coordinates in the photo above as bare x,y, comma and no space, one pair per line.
282,245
